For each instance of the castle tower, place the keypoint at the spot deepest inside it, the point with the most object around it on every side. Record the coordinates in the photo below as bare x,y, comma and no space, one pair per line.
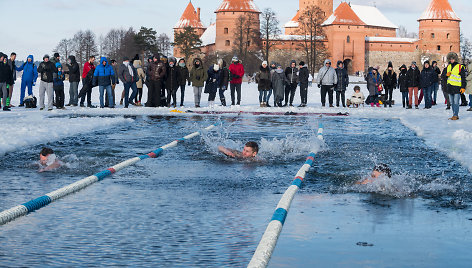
325,5
227,15
439,31
191,18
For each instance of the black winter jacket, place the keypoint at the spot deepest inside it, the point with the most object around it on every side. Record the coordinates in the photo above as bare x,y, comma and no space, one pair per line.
173,78
303,76
263,78
343,79
74,70
5,74
390,79
184,75
47,70
403,81
413,77
427,77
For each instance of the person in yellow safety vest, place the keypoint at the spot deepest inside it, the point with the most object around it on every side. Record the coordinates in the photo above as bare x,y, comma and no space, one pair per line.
456,82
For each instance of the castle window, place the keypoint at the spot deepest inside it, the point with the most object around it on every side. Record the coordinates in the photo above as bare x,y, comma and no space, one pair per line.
226,30
248,43
450,48
227,43
447,36
432,35
348,39
439,48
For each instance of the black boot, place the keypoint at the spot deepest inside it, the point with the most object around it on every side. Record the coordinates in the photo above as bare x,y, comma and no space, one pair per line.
223,102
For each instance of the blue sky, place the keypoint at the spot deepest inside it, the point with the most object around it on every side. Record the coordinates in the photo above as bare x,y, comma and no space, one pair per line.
37,26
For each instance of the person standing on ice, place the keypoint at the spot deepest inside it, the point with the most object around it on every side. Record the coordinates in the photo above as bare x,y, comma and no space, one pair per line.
13,68
128,75
326,80
156,73
455,81
87,76
292,76
224,81
211,87
5,80
140,82
236,70
279,80
28,78
114,65
390,83
468,89
263,83
58,85
46,69
413,76
104,77
198,76
74,79
343,83
273,67
303,76
427,84
434,66
403,85
184,76
172,82
374,82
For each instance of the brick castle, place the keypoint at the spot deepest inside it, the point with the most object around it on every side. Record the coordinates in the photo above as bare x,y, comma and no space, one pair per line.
359,35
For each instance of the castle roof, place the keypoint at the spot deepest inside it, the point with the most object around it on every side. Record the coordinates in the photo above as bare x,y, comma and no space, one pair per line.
345,15
439,10
189,18
294,22
372,16
238,6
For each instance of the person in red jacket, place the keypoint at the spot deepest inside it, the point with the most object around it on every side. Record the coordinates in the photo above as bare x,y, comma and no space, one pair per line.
87,78
236,70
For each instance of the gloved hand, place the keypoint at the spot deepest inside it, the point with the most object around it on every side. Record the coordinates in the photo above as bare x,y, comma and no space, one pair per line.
462,90
34,84
214,80
448,74
319,86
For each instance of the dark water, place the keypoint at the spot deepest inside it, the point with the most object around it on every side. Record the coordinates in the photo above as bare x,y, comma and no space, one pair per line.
193,207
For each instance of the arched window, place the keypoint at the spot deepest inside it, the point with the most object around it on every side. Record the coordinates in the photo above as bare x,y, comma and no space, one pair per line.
432,35
226,30
450,48
227,43
447,36
439,48
348,39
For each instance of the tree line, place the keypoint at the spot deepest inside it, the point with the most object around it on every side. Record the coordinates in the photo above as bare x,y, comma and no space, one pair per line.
116,44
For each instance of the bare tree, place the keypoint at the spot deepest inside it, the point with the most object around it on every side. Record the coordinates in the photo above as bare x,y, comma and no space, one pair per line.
247,36
79,48
112,43
65,47
90,46
163,44
312,35
269,30
402,31
466,49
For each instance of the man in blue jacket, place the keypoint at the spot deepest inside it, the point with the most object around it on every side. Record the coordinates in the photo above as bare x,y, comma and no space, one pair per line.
28,79
104,77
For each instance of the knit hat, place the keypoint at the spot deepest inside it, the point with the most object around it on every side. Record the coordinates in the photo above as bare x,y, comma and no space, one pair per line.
413,63
125,58
235,58
390,64
264,62
302,63
58,64
46,56
56,55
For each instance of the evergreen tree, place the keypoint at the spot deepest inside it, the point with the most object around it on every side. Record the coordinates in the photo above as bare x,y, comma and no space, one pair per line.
187,41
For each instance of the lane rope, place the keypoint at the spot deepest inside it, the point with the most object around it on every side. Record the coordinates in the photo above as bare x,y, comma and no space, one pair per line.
37,203
268,241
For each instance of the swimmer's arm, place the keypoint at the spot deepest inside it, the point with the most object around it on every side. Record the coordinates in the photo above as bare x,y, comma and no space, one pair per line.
53,166
229,152
364,181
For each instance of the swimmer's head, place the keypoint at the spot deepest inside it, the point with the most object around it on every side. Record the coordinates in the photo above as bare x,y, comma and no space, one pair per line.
43,155
381,169
250,149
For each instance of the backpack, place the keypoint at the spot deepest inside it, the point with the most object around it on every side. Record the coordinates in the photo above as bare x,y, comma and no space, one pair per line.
30,101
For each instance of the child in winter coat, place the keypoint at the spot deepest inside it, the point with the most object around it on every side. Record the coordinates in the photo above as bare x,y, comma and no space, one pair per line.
58,86
357,98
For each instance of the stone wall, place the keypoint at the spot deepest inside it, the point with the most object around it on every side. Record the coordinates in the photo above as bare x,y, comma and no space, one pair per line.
381,58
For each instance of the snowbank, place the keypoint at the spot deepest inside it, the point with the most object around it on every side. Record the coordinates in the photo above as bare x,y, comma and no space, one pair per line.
26,127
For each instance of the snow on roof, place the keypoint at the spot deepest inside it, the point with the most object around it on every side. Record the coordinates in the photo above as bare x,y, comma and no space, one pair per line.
238,5
294,22
371,16
286,37
209,36
390,39
344,15
439,10
189,18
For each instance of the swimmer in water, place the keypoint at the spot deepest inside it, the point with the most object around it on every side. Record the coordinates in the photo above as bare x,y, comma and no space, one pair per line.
250,151
48,160
379,170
